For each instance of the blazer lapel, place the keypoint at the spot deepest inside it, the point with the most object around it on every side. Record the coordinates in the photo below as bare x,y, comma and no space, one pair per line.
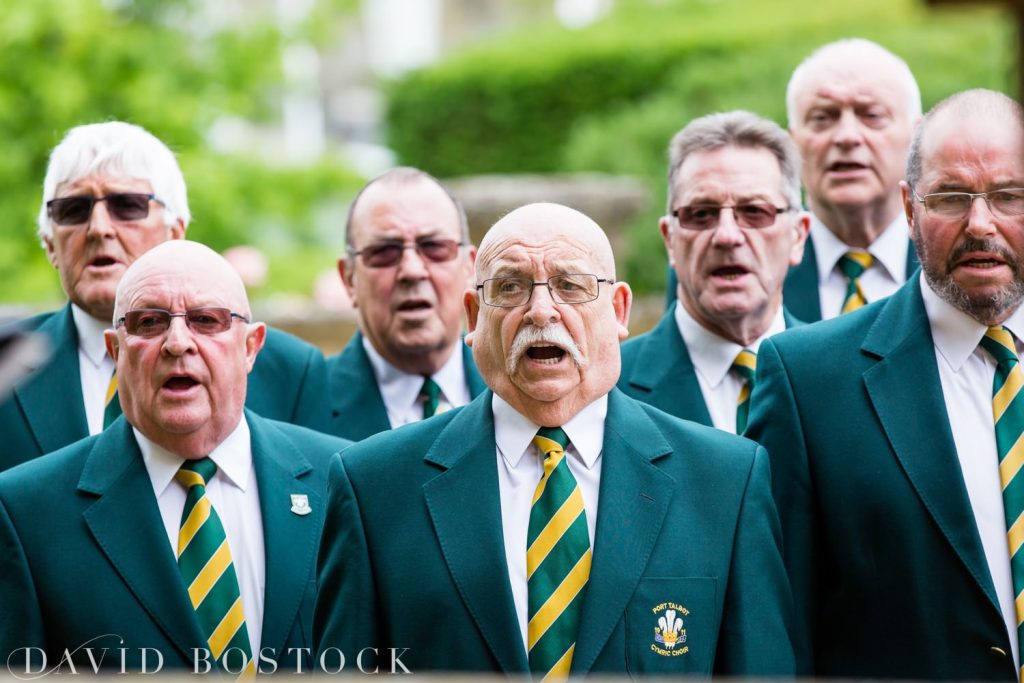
634,499
790,320
357,409
470,536
672,380
905,390
800,290
290,540
126,523
52,399
473,379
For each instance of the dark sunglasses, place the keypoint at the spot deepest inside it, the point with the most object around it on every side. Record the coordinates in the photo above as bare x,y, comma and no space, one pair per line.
388,254
122,206
705,216
152,322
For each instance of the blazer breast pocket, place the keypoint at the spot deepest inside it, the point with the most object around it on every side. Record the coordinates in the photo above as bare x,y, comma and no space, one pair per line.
672,626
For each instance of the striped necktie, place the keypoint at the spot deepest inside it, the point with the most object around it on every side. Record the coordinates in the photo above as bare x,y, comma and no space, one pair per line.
853,264
1008,413
557,561
430,392
744,366
204,559
111,404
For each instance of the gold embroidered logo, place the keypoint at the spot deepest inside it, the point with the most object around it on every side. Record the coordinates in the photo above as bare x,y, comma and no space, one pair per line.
669,634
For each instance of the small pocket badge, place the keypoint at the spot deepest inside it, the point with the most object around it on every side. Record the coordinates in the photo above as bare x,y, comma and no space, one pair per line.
669,634
300,504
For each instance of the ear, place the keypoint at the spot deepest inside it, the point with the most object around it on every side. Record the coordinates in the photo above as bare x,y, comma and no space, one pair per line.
470,266
178,230
255,337
622,303
471,300
345,271
665,226
110,341
802,227
51,253
907,196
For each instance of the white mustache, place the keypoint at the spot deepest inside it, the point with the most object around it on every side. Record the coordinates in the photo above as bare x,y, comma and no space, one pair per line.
529,335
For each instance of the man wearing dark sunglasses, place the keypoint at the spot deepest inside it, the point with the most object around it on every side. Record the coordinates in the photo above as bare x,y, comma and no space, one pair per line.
112,192
407,264
734,226
186,533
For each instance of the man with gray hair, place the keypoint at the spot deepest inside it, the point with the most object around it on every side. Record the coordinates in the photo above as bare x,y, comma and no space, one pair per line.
112,192
901,499
733,228
852,106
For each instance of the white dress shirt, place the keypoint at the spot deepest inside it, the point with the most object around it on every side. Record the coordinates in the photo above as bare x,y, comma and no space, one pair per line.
712,358
883,278
967,373
401,391
94,365
520,468
234,495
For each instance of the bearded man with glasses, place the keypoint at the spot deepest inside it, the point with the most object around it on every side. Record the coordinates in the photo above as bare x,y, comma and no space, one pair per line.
408,262
112,192
733,228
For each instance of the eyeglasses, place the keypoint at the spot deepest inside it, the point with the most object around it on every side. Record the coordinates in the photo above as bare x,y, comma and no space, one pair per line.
1004,203
152,322
571,288
754,215
123,206
388,254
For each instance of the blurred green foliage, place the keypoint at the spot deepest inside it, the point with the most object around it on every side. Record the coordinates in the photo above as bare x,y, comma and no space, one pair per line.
171,67
609,97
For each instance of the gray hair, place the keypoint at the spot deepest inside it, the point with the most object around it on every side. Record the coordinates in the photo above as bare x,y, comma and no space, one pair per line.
736,129
403,175
116,148
854,49
968,103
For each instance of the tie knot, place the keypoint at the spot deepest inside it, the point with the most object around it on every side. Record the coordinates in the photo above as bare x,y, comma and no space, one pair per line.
998,341
550,439
196,472
854,263
745,364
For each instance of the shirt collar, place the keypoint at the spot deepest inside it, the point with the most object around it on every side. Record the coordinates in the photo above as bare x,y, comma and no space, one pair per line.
514,432
90,335
956,335
233,457
889,248
399,388
711,354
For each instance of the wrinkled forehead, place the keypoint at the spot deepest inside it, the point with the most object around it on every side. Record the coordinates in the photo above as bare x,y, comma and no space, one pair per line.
855,78
516,256
181,281
419,207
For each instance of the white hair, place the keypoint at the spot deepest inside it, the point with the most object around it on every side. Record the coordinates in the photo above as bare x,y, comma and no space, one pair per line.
116,148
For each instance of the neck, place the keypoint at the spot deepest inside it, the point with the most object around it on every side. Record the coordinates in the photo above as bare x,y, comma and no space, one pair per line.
426,363
743,330
860,225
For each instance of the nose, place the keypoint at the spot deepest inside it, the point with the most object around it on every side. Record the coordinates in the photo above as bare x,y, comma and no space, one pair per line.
728,233
848,131
412,266
99,223
541,308
178,340
980,220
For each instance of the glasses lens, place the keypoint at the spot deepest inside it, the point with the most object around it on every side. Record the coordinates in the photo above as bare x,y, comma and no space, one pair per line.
948,203
208,320
1007,202
698,216
70,210
755,215
147,322
438,251
507,291
381,255
574,288
128,206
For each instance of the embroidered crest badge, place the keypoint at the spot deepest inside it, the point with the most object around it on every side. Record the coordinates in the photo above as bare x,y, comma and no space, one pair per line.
669,633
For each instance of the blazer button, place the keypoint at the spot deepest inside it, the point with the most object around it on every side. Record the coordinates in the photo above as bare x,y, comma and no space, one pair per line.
998,651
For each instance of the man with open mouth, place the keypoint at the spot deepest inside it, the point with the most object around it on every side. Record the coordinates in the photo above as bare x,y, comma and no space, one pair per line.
733,228
407,262
553,526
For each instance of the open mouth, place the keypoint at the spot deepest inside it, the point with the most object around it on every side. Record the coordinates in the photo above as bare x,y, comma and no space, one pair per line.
102,261
549,354
414,305
981,263
729,272
180,383
843,166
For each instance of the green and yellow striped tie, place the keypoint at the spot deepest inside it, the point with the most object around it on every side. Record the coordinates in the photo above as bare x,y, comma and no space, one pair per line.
853,264
111,404
1008,412
431,395
744,366
204,559
557,561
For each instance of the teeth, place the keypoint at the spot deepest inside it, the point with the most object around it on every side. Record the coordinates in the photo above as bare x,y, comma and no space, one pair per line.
547,361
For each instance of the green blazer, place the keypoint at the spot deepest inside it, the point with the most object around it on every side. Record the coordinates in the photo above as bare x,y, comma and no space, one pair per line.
83,552
357,409
656,369
889,575
413,555
46,412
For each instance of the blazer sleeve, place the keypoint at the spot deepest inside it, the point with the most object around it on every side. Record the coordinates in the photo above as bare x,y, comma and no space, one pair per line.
21,622
345,615
755,640
776,424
